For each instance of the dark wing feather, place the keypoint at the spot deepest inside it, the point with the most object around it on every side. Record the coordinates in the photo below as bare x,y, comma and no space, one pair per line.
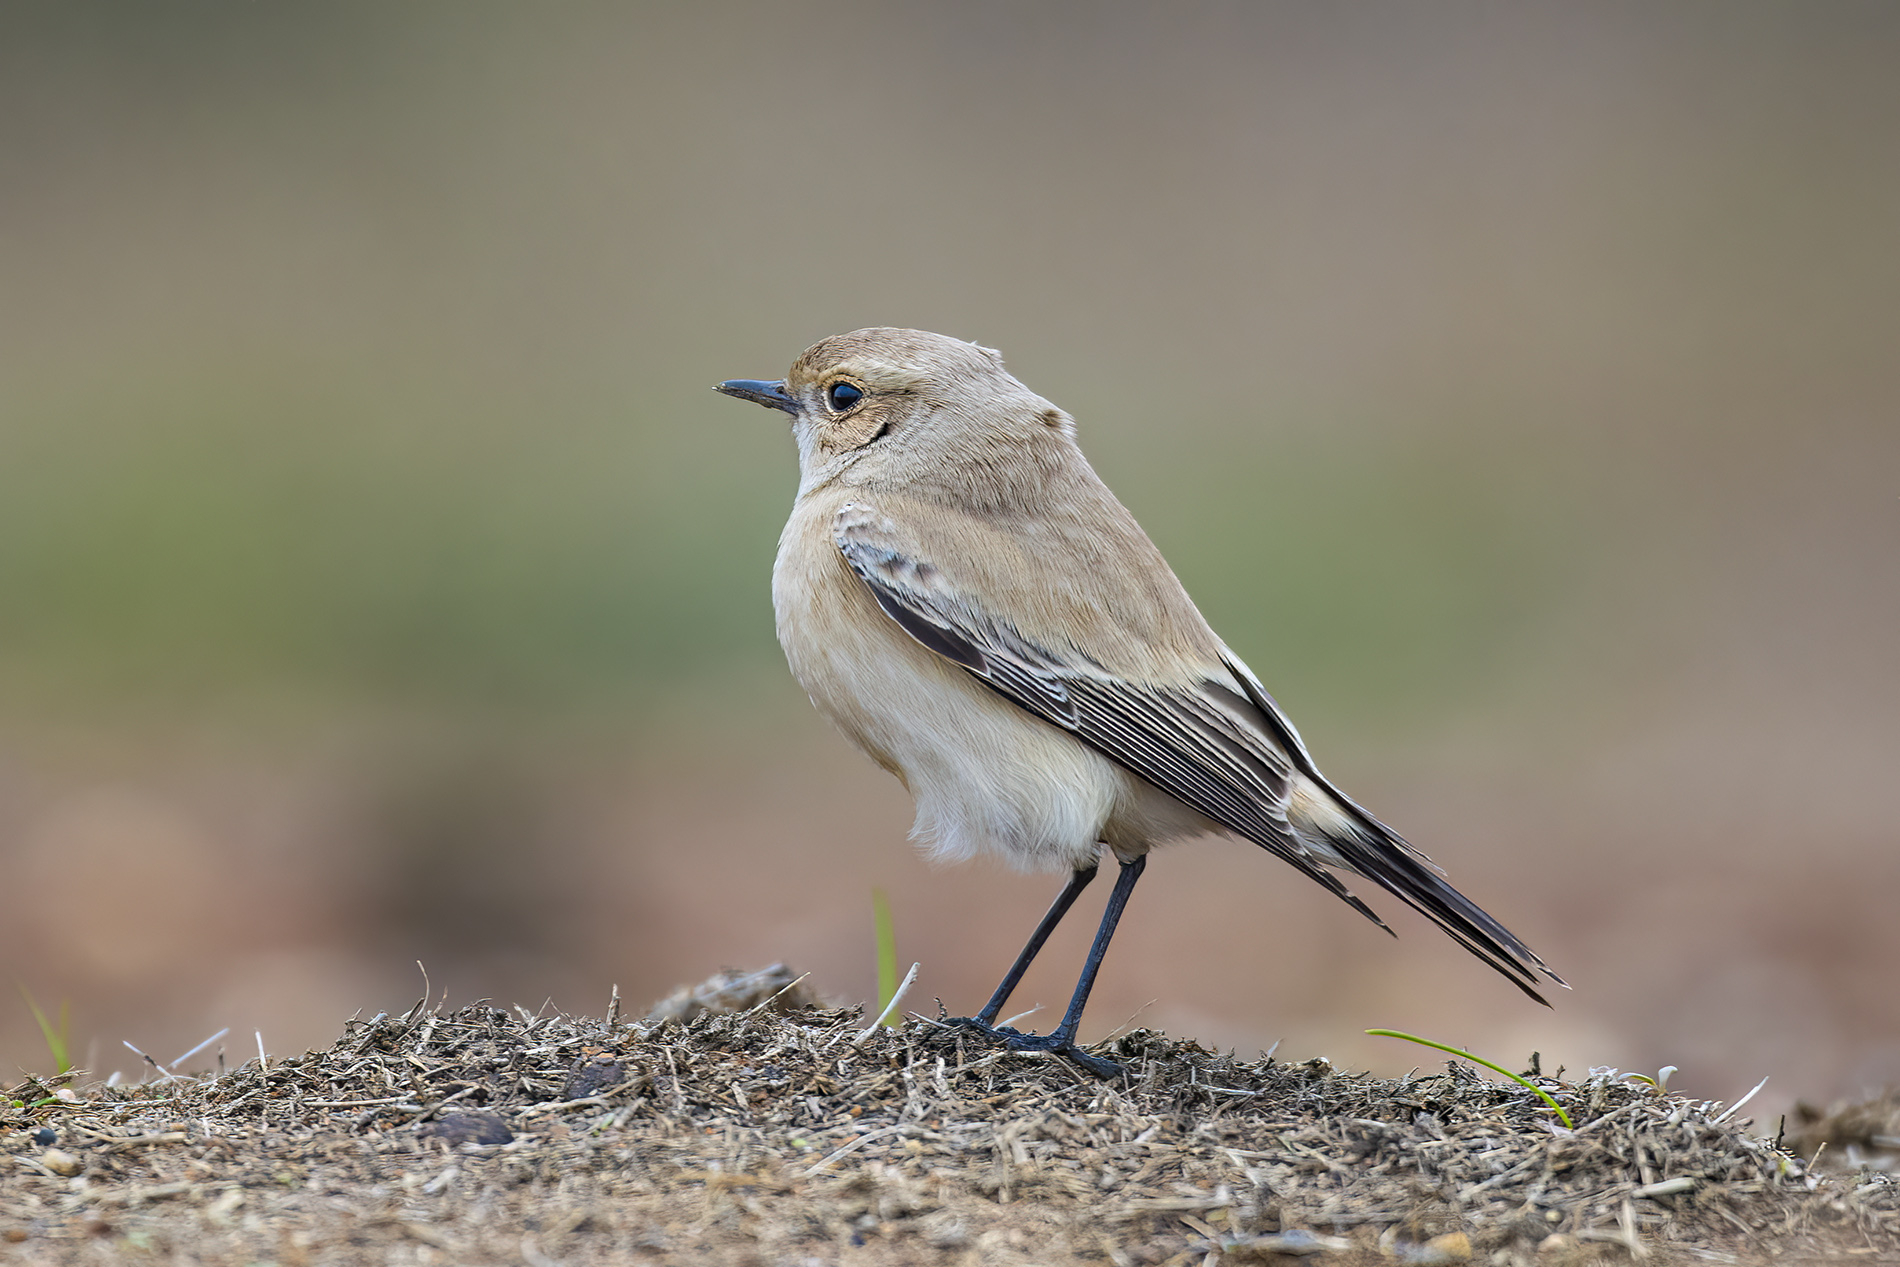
1181,741
1388,859
1229,756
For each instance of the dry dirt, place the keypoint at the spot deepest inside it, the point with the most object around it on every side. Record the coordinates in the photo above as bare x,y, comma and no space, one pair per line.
778,1135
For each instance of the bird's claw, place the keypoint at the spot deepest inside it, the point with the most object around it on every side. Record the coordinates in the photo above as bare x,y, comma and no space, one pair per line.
1057,1044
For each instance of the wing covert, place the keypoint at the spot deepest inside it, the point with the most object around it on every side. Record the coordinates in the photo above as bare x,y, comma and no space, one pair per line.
1221,746
1197,744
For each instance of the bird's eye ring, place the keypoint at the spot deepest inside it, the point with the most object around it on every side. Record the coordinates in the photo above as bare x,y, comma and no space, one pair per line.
841,396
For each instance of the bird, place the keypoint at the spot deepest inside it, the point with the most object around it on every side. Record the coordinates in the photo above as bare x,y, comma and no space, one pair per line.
964,598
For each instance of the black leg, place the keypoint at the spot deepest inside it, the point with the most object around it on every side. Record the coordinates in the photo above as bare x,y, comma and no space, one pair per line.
1062,1040
1078,881
1117,902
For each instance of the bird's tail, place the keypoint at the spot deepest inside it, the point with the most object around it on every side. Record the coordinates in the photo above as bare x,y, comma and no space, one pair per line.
1331,825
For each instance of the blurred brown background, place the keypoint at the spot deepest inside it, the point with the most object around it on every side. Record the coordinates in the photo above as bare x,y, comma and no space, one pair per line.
1513,384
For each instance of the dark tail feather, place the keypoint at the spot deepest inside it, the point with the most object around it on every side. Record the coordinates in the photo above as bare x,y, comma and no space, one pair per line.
1381,855
1375,851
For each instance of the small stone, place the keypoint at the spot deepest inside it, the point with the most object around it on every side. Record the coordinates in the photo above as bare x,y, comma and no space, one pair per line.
226,1204
13,1235
61,1162
1556,1243
942,1231
729,991
46,1137
1293,1242
590,1076
468,1128
1440,1251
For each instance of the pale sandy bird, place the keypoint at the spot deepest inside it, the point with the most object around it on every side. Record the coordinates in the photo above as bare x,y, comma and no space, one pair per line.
962,595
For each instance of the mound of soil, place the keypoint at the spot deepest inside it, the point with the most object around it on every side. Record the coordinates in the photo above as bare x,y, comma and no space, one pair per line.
769,1137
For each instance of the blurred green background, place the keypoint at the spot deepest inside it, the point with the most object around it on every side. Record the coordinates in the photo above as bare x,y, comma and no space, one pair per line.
1513,385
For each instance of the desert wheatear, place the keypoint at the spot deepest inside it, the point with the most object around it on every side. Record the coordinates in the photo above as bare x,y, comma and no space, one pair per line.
962,595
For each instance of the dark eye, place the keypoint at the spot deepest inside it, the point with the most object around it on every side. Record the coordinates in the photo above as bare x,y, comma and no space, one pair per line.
841,396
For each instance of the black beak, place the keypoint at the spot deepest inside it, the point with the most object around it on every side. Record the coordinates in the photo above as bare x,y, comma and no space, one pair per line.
759,392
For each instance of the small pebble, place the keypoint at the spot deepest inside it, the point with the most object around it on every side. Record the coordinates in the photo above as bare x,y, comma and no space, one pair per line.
1440,1251
1294,1242
60,1162
468,1128
587,1077
46,1137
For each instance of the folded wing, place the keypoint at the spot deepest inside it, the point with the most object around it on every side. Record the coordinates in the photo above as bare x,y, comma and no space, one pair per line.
1221,747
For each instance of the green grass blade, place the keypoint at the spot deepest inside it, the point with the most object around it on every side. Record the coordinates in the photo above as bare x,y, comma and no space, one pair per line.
56,1039
886,954
1480,1060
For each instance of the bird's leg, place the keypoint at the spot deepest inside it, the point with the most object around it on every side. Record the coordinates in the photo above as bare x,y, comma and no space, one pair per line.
1078,881
1062,1040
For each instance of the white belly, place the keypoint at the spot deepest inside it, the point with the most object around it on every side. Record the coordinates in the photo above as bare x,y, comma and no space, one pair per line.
985,774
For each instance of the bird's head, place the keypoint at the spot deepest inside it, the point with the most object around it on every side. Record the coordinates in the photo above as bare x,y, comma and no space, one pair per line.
887,402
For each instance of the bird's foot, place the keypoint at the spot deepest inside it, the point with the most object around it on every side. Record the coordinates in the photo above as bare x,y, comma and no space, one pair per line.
1058,1044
